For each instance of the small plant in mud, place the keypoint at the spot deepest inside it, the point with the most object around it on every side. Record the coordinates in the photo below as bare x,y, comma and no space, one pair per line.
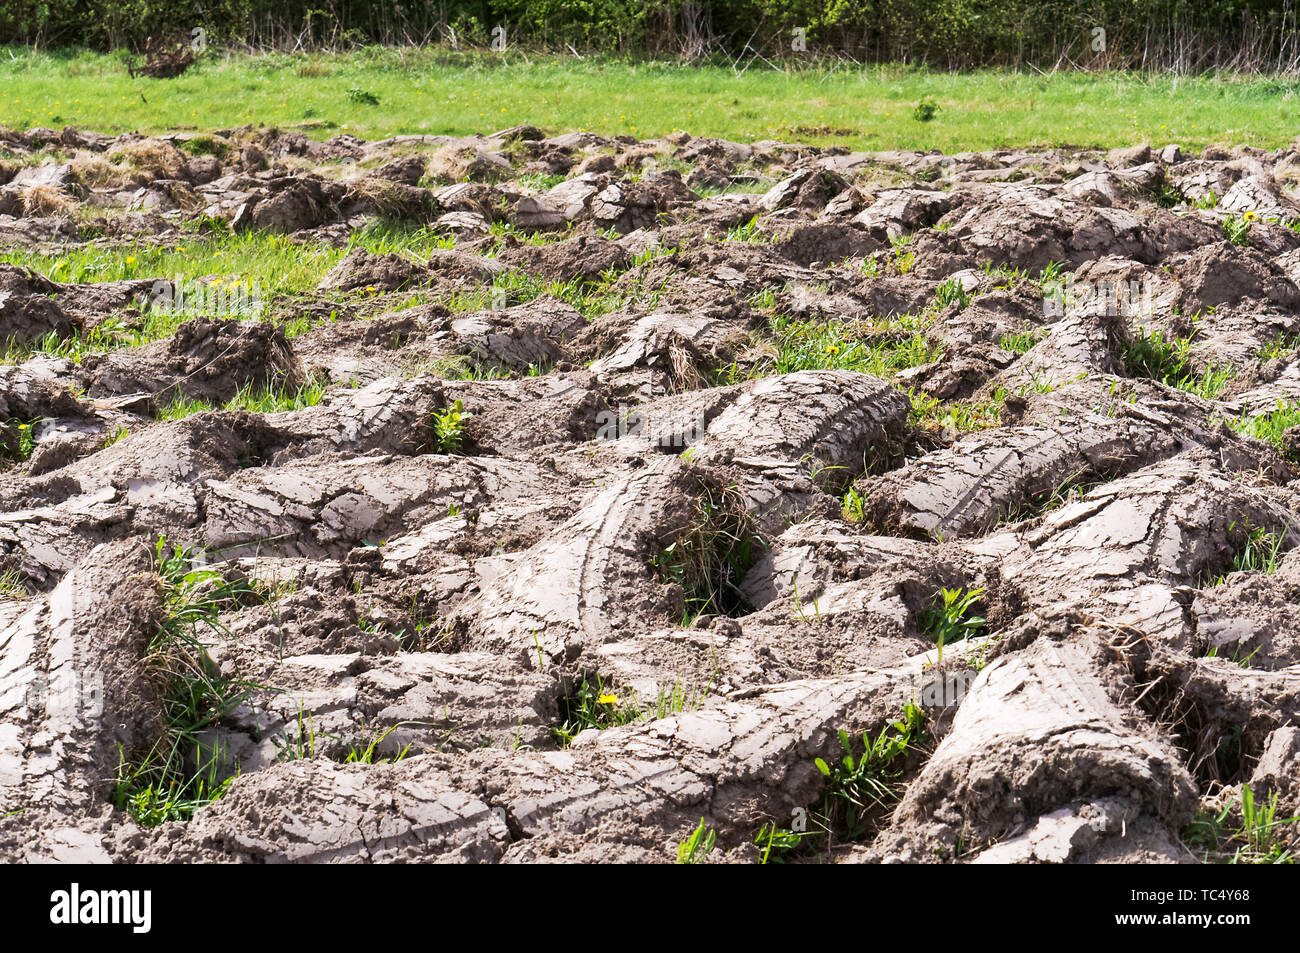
365,753
903,259
775,844
1284,345
959,417
449,428
1271,426
950,619
1260,836
698,845
1166,358
1022,340
1237,230
1260,552
748,232
180,774
853,506
1237,658
593,706
861,787
711,555
18,439
596,706
950,291
1169,196
11,585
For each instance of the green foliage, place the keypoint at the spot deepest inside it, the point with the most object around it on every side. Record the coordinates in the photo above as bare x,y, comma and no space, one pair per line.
711,555
698,845
365,754
747,232
592,704
1270,426
1166,358
1022,340
776,843
179,773
949,620
949,33
1237,230
1260,551
925,110
17,439
950,291
804,345
930,413
853,506
449,428
1244,832
861,787
363,96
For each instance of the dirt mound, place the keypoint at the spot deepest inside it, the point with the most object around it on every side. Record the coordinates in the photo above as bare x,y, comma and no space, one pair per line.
28,311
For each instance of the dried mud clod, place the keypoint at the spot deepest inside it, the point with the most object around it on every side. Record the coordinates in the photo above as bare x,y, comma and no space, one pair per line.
598,499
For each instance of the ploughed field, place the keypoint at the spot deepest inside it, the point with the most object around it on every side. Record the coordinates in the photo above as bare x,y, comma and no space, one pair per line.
612,500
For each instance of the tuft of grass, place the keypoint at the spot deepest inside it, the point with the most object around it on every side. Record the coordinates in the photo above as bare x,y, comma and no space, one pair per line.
591,705
1270,426
853,506
950,291
711,555
595,705
747,232
254,399
1022,340
365,753
929,413
1166,358
805,345
1244,832
17,439
1261,551
178,774
862,787
11,585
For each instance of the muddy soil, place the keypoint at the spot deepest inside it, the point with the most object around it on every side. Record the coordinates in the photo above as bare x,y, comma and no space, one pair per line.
568,573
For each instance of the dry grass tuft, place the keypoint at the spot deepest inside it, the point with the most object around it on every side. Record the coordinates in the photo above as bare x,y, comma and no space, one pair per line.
161,160
45,200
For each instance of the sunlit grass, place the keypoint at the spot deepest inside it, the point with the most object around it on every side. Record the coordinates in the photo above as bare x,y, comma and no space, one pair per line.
435,91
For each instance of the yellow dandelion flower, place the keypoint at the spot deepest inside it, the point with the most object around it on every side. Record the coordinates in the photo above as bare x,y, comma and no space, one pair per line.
1250,216
607,700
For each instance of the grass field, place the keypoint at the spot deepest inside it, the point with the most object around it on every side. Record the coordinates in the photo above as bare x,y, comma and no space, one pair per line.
441,92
